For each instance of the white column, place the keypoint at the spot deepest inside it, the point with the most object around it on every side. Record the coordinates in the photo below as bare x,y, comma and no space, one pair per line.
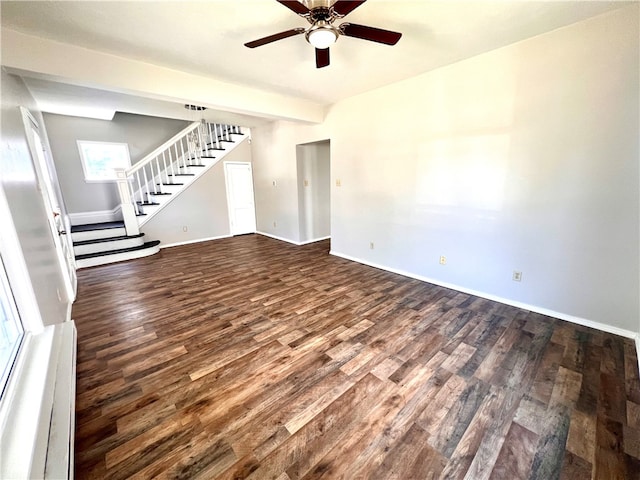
126,204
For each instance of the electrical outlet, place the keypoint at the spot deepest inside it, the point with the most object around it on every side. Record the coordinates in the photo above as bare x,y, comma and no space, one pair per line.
274,183
185,229
517,276
371,246
443,260
338,183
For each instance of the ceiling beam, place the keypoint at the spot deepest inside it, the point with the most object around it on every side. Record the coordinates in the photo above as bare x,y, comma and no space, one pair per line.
75,65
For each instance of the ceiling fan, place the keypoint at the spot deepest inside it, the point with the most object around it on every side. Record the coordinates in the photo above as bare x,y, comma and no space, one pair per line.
323,33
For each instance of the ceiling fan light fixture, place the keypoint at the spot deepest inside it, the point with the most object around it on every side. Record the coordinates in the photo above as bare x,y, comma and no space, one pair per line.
322,35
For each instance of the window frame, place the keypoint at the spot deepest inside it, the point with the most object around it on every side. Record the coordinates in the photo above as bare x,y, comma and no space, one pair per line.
12,309
84,161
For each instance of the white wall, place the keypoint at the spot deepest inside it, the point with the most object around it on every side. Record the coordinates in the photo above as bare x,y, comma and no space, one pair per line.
141,133
524,158
202,207
20,185
274,159
314,190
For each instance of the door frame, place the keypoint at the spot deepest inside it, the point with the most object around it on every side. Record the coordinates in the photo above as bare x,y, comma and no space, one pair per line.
56,214
229,199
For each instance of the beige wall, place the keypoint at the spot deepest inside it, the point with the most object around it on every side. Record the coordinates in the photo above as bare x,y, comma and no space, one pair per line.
524,158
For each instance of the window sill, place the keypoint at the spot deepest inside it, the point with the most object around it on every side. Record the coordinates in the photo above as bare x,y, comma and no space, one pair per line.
37,410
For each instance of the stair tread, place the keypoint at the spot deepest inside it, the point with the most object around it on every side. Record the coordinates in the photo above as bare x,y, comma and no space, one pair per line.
147,204
182,174
87,227
145,245
170,184
159,193
108,239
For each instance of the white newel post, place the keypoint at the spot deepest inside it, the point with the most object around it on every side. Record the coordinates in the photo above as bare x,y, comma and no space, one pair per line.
126,204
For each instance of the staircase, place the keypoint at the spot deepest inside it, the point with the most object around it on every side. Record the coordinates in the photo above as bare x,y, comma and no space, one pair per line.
147,187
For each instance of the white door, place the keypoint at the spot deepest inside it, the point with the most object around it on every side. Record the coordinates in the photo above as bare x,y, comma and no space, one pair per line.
242,213
58,223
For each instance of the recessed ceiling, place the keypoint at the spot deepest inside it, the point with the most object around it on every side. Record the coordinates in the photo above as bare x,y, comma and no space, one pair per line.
207,37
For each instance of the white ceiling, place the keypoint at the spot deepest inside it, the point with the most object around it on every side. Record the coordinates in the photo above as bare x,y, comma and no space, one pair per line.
207,37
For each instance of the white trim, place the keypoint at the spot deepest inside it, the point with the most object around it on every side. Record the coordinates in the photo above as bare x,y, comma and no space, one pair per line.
533,308
50,199
59,462
275,237
26,409
98,216
307,242
199,240
293,242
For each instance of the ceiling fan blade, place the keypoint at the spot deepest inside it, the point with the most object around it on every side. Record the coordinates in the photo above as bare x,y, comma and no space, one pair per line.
322,57
344,7
294,5
275,37
370,33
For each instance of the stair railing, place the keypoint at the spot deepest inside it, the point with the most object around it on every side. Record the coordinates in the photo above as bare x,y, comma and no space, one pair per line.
157,170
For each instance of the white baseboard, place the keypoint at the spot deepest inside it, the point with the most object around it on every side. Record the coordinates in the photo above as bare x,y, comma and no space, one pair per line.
533,308
275,237
293,242
314,240
98,216
188,242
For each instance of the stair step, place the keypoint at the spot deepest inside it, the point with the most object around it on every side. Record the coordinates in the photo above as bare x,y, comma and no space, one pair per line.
147,203
216,148
85,247
159,193
153,243
171,184
96,226
107,239
182,174
188,166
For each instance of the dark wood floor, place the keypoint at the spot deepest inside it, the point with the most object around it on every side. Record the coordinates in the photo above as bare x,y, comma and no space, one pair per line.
252,358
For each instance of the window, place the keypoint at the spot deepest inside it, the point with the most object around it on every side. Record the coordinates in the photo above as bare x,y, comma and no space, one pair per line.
10,328
99,159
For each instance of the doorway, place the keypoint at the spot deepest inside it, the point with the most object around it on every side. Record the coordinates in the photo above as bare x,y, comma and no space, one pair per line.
58,222
240,199
314,190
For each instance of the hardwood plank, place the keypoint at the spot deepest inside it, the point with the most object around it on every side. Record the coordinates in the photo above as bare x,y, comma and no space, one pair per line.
549,457
250,358
516,455
575,467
